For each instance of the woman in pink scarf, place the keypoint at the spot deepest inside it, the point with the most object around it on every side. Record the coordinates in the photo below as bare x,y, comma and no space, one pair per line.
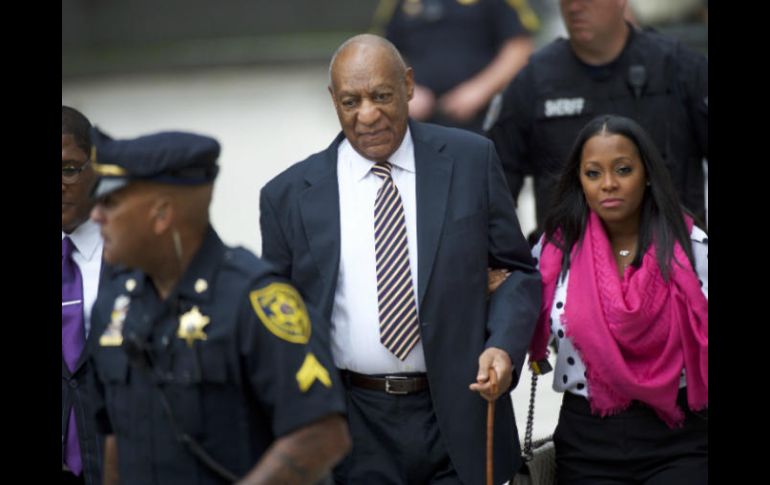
625,295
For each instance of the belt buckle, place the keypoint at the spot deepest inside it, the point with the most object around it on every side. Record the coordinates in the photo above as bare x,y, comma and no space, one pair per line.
389,390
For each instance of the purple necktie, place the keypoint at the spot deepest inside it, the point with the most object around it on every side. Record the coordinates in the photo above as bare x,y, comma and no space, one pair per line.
72,339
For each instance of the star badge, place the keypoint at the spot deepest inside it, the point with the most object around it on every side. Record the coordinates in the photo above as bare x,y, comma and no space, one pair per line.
191,326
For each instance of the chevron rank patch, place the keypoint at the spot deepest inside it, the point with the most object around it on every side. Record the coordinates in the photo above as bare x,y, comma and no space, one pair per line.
281,309
311,371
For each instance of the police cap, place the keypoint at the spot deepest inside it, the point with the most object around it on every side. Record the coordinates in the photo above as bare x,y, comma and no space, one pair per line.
171,157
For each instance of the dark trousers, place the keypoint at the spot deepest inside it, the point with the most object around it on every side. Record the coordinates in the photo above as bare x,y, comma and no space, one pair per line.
632,447
69,478
396,440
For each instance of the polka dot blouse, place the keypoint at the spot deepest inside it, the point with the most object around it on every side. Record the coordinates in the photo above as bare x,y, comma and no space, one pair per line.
570,372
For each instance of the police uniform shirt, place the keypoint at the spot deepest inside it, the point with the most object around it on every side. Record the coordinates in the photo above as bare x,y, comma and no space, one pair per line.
234,351
655,81
570,371
450,41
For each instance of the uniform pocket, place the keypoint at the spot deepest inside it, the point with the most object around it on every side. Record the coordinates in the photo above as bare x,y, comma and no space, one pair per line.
112,365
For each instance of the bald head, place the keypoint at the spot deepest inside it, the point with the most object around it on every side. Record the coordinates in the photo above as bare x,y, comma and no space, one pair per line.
138,221
371,87
363,46
191,204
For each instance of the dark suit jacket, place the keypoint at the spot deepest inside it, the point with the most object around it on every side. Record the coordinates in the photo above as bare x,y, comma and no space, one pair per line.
465,222
76,391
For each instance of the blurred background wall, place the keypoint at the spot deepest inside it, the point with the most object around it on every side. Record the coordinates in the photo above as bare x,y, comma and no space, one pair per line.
252,73
110,36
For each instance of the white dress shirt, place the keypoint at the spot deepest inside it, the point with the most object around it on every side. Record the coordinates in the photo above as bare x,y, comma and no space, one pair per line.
88,256
355,331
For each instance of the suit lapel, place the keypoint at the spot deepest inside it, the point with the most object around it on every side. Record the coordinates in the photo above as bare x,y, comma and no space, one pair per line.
320,212
434,173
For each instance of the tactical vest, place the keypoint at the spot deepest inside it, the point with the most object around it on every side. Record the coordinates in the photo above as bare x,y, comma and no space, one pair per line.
641,86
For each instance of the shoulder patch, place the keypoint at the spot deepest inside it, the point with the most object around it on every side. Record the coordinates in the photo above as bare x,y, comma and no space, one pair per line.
527,16
311,370
281,309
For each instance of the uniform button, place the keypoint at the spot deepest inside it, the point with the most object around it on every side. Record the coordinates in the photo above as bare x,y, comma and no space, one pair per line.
74,383
164,341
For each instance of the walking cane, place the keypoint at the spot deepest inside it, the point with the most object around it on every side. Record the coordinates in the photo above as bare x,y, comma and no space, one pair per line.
490,427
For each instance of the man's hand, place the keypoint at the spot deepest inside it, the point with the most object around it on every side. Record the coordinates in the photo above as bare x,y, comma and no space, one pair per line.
501,362
463,102
495,278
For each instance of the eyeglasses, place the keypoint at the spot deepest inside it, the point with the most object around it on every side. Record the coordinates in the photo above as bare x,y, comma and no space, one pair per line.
70,173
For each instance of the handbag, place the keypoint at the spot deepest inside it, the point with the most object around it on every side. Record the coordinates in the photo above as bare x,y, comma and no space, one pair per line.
539,456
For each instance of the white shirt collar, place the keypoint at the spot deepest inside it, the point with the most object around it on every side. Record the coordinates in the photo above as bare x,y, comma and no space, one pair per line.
86,238
402,158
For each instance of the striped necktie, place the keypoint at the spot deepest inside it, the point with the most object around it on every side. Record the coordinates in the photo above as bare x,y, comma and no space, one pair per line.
399,326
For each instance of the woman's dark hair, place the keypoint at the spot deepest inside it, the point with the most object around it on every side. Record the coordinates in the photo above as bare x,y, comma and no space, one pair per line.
661,218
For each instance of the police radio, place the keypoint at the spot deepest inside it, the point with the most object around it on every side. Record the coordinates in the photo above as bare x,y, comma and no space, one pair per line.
137,352
637,78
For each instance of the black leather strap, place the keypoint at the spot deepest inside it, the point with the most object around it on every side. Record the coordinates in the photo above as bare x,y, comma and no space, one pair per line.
391,384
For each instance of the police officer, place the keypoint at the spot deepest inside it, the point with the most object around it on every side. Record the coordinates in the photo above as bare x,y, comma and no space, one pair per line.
463,52
606,66
209,369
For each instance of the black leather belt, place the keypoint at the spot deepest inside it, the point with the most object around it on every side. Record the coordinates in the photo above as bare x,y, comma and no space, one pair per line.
395,384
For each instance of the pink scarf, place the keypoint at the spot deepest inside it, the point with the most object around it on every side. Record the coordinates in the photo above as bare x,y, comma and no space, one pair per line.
634,335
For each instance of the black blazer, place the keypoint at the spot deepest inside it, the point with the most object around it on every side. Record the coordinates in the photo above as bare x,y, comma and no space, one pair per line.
466,222
76,392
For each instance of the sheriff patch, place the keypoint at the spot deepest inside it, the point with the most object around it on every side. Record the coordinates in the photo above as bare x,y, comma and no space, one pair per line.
310,371
282,311
564,107
113,334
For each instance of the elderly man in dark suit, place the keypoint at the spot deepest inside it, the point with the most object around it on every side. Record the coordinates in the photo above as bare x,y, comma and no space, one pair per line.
389,232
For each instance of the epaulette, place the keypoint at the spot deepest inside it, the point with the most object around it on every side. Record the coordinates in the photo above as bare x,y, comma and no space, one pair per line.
246,263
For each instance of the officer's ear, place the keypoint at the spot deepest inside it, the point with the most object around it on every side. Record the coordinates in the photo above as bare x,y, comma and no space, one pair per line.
162,215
